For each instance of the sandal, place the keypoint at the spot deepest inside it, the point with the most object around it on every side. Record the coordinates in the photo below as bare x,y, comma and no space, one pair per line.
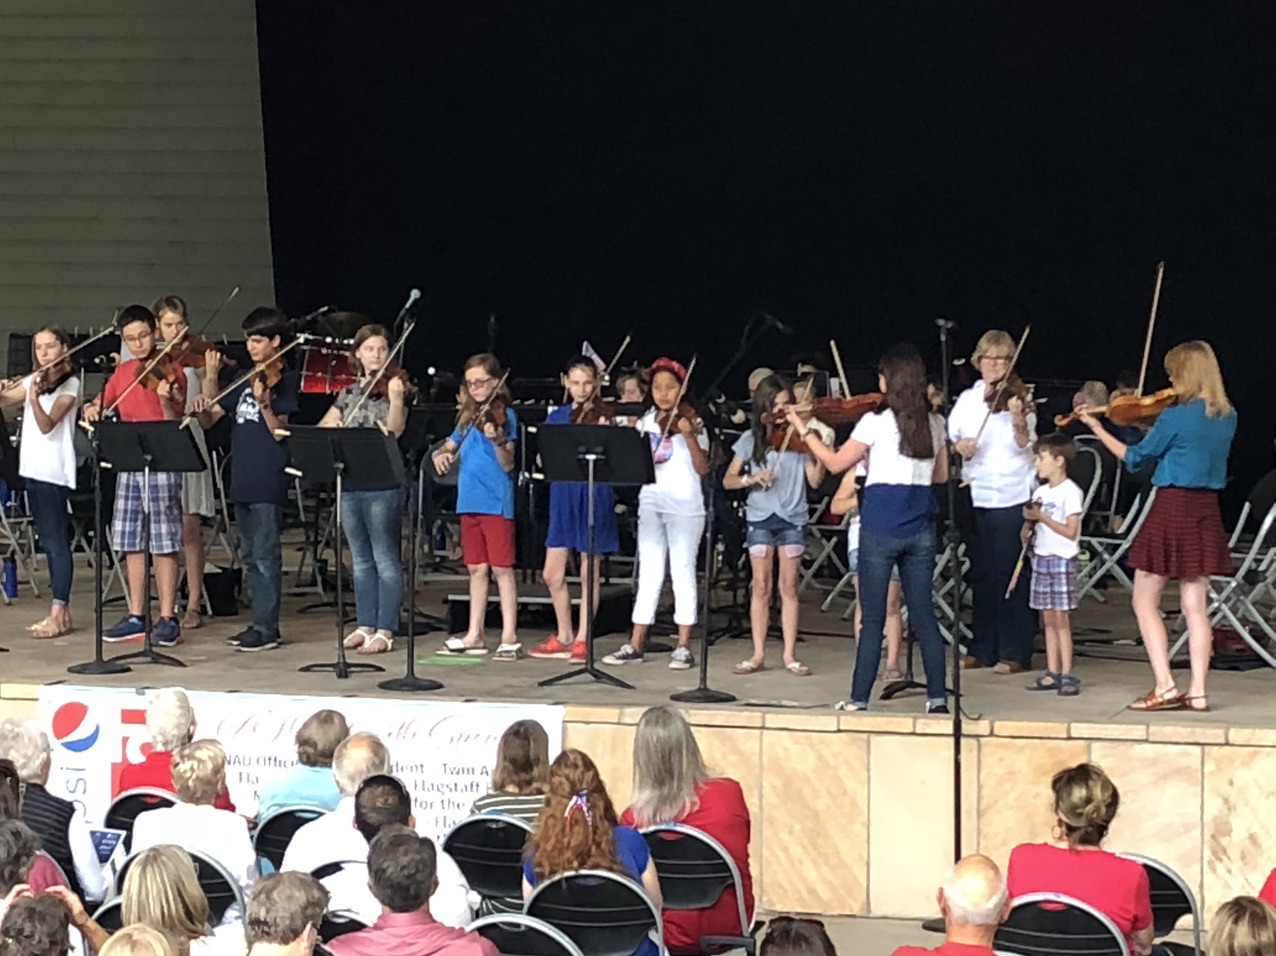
1047,681
1205,704
1069,686
41,624
373,644
748,667
1172,700
457,645
49,628
192,620
797,669
356,638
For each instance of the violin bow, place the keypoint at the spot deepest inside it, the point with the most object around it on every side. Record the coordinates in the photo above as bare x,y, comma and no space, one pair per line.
616,358
807,386
1023,553
9,383
137,379
841,372
1005,379
216,312
380,373
1147,342
482,409
255,370
682,393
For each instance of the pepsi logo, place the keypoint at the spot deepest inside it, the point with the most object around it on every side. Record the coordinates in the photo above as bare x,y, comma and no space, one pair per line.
72,728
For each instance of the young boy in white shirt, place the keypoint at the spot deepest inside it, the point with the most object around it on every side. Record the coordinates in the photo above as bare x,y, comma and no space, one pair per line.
1053,522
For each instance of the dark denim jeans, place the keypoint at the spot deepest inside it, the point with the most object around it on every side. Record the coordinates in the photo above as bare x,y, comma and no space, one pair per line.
1005,628
260,527
373,521
915,558
53,525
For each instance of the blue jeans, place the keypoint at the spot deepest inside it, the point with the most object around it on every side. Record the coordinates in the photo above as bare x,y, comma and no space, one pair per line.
373,521
260,526
1005,628
52,523
915,558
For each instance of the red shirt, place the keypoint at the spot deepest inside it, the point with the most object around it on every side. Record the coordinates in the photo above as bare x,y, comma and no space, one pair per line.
1268,893
140,404
156,770
946,949
723,815
1116,887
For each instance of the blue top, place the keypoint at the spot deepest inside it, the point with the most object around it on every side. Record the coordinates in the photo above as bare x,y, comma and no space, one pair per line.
257,460
786,498
1188,448
569,508
633,854
298,786
483,487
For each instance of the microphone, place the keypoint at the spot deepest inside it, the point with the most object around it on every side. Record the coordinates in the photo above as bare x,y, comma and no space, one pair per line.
783,328
946,323
412,297
305,320
491,332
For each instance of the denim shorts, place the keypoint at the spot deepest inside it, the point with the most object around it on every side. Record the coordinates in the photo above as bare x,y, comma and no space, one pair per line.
773,531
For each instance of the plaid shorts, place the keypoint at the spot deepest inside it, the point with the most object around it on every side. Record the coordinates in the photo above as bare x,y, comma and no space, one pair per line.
165,512
1054,583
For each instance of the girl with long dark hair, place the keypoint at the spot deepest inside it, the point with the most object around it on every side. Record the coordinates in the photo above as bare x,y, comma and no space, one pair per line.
904,448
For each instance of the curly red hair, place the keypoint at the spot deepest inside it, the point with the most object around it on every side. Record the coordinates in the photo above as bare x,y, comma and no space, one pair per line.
575,828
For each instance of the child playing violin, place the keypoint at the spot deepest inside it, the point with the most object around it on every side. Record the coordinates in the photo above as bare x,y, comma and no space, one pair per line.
776,512
484,443
569,521
670,514
372,515
140,394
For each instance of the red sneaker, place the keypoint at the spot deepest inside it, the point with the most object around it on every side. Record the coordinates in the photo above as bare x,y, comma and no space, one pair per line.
552,649
578,650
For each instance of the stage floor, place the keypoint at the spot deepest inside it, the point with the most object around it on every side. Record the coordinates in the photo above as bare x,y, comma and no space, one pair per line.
1238,699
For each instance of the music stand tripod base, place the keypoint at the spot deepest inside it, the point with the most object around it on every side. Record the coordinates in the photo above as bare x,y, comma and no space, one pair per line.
703,695
100,667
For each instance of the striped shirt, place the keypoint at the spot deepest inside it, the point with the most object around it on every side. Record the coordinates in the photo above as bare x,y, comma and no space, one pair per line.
521,806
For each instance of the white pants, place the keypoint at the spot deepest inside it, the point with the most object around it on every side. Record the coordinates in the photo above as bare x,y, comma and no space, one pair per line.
675,538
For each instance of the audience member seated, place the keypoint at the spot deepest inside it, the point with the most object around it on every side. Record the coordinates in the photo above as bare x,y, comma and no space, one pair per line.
44,872
791,936
35,926
161,889
1085,802
18,847
308,783
578,830
60,824
974,901
171,723
137,939
401,873
671,785
337,837
1268,893
285,911
194,823
521,774
1245,926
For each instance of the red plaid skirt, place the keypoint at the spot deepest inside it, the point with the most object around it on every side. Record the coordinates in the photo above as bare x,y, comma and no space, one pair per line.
1183,536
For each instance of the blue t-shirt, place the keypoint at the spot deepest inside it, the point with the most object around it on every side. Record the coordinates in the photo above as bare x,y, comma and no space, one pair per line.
633,854
483,487
1188,447
257,460
786,498
298,786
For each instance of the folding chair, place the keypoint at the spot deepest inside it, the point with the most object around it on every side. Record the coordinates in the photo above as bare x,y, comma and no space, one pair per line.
826,538
1051,924
1172,899
488,848
126,808
1106,550
1086,471
277,830
603,913
517,934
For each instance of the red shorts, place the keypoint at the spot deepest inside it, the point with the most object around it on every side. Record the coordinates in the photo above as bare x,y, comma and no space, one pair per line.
487,539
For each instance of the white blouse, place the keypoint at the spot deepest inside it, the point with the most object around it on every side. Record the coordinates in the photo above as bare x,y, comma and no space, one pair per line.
1001,474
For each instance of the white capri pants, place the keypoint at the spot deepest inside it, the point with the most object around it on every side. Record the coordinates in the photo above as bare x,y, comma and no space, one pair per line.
677,539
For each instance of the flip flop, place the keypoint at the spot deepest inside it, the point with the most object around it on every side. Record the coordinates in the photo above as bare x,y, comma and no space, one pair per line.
748,667
370,645
357,638
457,645
797,669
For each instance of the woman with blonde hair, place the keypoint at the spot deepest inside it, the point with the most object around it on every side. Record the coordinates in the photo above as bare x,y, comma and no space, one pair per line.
520,778
137,939
1182,538
1076,865
672,785
161,889
578,830
1245,926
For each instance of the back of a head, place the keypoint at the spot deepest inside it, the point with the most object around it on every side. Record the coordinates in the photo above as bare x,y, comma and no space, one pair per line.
787,936
137,939
161,889
35,926
1245,926
1085,802
381,801
522,759
265,321
199,771
282,906
576,827
668,767
18,847
402,869
318,738
975,894
10,790
357,758
27,745
170,719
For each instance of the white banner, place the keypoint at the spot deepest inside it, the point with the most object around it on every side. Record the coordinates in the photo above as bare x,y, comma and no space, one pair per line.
443,750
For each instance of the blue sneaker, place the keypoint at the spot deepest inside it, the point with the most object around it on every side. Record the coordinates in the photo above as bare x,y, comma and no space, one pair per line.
128,628
167,632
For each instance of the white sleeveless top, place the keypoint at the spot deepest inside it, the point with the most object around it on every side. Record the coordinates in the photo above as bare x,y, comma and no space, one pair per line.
49,458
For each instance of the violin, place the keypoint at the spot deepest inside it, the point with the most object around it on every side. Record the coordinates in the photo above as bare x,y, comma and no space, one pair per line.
593,412
668,419
270,373
836,411
190,352
998,395
1128,409
165,370
380,389
51,377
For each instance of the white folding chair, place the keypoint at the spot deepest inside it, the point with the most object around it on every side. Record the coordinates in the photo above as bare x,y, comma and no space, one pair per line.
1106,550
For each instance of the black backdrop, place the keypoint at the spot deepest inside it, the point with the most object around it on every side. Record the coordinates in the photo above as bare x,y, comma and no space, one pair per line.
584,169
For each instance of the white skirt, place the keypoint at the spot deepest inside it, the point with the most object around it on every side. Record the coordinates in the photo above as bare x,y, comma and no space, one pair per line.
197,487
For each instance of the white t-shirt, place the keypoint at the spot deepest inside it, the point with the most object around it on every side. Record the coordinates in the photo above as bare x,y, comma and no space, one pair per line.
677,489
51,457
885,464
1001,474
1059,504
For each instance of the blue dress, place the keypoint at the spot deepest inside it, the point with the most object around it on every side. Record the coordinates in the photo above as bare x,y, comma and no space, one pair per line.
569,509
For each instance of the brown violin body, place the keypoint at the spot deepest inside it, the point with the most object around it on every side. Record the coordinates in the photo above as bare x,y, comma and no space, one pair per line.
190,352
846,411
493,412
271,372
165,370
666,421
1128,409
593,412
787,439
381,387
998,396
52,377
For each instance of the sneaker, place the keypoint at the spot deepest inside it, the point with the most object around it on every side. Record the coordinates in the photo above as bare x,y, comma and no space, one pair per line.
937,707
681,659
508,652
239,638
626,655
167,632
578,651
552,649
850,705
256,641
129,628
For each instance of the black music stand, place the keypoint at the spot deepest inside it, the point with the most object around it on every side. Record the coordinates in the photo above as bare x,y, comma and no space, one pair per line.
99,664
364,455
146,447
594,454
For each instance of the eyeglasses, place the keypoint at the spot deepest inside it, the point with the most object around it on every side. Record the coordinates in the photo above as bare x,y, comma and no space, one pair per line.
139,339
479,382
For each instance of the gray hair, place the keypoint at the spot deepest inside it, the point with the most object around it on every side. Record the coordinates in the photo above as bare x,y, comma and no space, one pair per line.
170,718
981,911
668,768
23,742
357,758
